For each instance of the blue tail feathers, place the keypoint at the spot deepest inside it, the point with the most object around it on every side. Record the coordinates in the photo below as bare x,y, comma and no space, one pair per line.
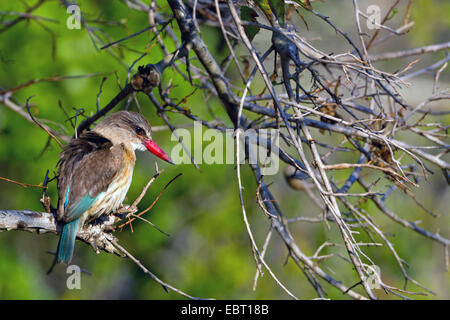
66,242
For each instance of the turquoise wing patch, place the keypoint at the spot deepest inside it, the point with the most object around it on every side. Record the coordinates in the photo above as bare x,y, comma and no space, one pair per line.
81,206
67,198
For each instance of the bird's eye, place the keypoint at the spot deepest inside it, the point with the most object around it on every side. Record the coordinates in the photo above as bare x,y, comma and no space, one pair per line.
139,130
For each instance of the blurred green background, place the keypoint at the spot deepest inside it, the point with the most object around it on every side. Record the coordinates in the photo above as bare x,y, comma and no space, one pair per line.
208,252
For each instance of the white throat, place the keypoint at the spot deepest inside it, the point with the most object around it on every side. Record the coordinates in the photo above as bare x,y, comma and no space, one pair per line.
138,146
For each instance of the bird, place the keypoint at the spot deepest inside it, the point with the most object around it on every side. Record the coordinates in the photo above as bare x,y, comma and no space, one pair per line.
95,172
296,179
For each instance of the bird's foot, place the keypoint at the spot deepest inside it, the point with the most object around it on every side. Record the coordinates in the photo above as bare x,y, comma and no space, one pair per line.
110,229
126,208
125,211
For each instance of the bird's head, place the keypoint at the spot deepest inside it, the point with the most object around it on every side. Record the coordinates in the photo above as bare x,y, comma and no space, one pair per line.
132,129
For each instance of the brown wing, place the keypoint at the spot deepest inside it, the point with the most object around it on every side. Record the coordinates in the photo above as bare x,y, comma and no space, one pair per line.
86,168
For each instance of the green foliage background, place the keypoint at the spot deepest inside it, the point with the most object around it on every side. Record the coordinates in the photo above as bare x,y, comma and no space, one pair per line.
208,253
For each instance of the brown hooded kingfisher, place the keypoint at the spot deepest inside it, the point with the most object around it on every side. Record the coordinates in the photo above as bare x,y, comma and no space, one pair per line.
95,171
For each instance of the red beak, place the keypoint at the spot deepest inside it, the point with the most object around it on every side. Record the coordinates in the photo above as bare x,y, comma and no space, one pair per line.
156,150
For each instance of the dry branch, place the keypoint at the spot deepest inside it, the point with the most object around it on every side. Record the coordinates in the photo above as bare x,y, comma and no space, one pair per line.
309,94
